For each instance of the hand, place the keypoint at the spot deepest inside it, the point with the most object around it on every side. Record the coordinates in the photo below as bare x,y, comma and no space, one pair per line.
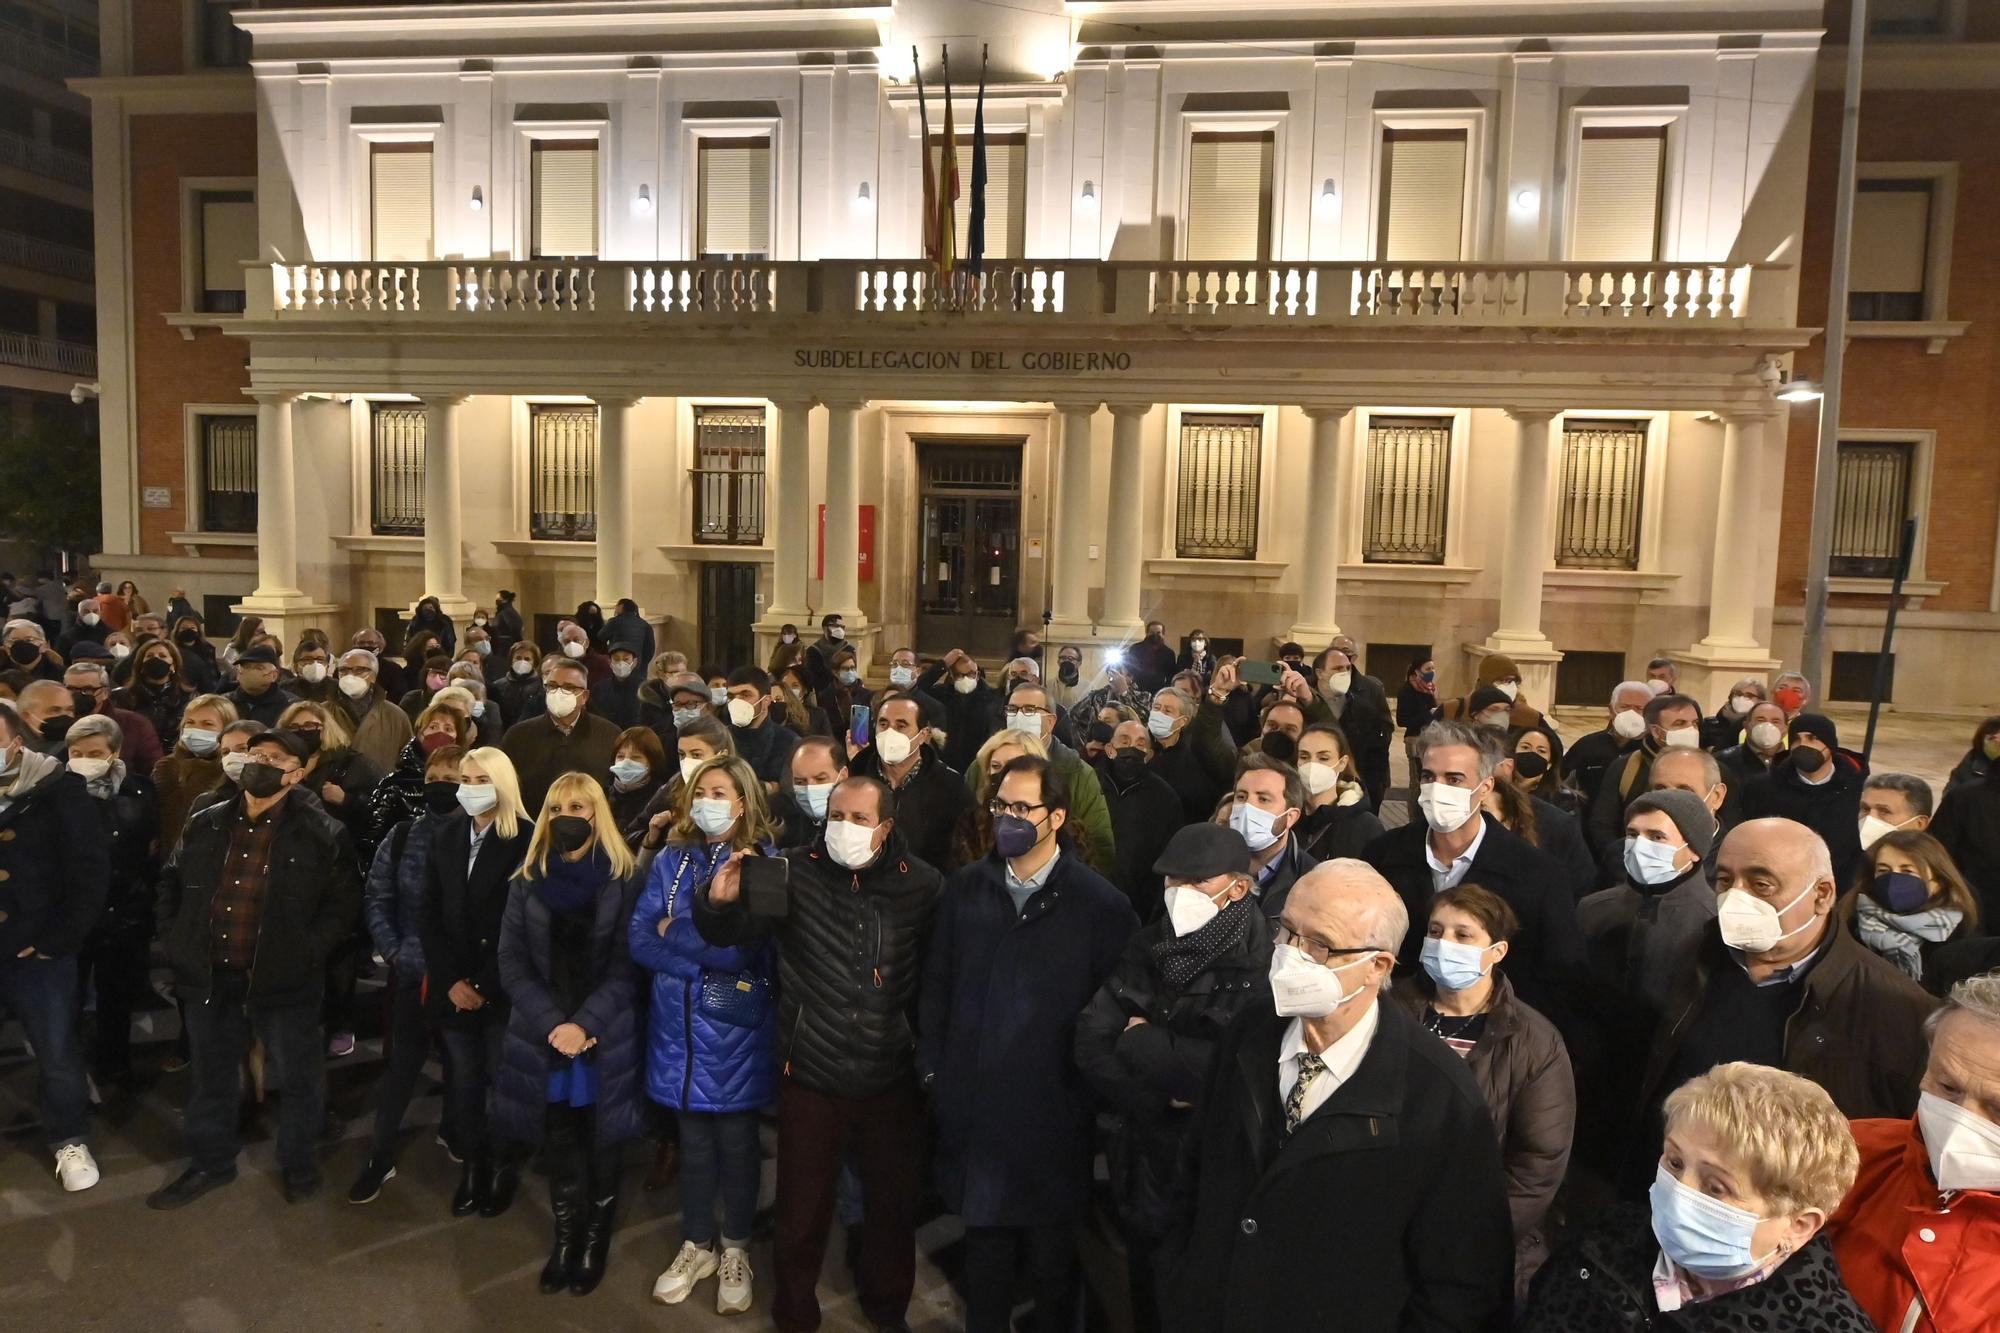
1177,1104
465,998
1223,681
951,659
569,1039
1295,685
657,826
32,951
332,794
727,884
1135,1021
853,750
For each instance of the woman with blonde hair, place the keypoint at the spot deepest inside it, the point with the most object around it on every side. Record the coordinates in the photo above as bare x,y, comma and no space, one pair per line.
973,838
1755,1161
1909,899
711,1048
569,1067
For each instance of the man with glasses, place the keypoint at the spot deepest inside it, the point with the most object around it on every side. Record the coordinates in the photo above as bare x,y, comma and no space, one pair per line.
1361,1104
1024,938
567,738
259,893
1030,710
379,732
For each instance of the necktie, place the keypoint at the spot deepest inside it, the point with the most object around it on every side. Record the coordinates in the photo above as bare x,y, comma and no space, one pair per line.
1310,1068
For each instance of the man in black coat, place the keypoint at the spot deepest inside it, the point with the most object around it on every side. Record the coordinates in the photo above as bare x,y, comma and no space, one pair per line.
1343,1171
257,696
1145,812
616,697
970,705
1152,659
1818,785
260,891
114,959
930,796
1024,938
1192,748
508,628
844,1044
1361,706
1671,720
631,629
1584,763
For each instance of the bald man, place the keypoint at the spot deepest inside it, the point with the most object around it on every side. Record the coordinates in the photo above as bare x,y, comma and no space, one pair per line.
1344,1169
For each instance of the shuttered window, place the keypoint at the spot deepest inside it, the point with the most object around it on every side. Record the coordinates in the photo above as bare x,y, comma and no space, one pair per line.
1409,467
1603,478
1871,498
562,467
228,471
396,468
1618,178
734,190
1216,514
1423,195
729,475
1891,249
565,199
400,200
228,221
1006,192
1229,198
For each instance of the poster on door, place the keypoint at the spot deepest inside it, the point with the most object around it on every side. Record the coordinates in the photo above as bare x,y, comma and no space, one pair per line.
865,566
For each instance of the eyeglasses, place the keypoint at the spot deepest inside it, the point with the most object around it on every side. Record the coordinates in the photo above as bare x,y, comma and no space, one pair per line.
1018,809
1317,950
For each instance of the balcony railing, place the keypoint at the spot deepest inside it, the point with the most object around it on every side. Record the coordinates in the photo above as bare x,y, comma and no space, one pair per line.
66,358
481,293
59,164
31,52
32,252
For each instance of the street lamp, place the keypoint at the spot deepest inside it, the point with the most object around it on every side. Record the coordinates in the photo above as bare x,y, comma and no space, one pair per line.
1800,391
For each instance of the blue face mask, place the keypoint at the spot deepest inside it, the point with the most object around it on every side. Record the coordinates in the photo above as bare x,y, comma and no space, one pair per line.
1453,966
1704,1236
849,676
718,696
629,771
200,740
685,715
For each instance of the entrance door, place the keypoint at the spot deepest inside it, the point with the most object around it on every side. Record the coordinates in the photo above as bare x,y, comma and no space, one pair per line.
968,593
728,606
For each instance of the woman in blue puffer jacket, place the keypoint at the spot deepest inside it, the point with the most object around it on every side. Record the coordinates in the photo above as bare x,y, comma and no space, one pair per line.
716,1066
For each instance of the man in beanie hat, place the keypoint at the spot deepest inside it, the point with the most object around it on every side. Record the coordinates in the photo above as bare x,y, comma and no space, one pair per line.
1819,785
1499,671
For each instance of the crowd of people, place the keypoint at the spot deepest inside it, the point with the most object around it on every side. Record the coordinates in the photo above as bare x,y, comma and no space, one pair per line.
1688,1022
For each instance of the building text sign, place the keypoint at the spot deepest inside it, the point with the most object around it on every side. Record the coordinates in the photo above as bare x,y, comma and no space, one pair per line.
1033,362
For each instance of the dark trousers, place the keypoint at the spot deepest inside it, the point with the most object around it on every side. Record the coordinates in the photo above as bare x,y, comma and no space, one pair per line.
815,1135
992,1256
114,963
471,1063
219,1032
573,1158
721,1159
409,1043
42,993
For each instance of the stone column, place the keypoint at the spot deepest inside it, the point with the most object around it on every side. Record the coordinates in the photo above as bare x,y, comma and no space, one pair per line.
1525,558
788,513
279,598
1319,544
1069,603
444,552
841,587
614,499
1124,560
1731,651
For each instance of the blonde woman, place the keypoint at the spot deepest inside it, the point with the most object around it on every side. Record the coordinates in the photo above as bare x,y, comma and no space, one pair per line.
973,838
569,1068
711,1048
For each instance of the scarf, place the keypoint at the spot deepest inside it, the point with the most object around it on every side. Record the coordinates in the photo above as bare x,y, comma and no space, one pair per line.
1181,958
568,886
106,787
1900,936
30,770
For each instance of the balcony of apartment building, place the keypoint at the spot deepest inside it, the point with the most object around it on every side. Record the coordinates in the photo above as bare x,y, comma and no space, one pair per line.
35,166
38,51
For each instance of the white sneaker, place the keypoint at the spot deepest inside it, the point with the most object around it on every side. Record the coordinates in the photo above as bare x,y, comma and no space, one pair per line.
690,1266
732,1293
75,1167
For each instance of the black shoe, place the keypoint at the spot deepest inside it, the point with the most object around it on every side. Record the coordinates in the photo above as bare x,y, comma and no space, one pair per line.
566,1202
596,1250
466,1199
302,1183
188,1186
497,1185
368,1185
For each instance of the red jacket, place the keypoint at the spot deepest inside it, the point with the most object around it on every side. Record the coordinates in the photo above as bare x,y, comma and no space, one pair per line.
1896,1236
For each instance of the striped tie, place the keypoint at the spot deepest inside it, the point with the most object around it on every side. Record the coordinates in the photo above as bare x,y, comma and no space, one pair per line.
1310,1068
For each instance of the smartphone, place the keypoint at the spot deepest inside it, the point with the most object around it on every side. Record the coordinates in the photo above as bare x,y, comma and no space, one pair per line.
860,724
1260,673
767,885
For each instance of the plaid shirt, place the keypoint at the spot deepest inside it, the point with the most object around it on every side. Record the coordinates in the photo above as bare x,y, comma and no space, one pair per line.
237,911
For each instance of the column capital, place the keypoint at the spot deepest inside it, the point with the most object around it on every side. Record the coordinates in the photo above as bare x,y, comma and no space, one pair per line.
838,403
1745,416
1534,416
1323,411
272,397
443,400
615,400
788,406
1131,409
1072,406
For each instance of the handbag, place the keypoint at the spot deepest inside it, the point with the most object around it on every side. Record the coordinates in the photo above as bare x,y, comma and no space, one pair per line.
734,999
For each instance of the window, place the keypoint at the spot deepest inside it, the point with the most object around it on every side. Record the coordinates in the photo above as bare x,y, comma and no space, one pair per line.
729,475
733,217
1618,178
219,43
1409,465
1871,498
1229,197
1587,677
228,473
562,464
1852,679
396,468
1006,192
1216,511
565,199
1909,18
400,200
228,222
1423,195
1603,473
1890,249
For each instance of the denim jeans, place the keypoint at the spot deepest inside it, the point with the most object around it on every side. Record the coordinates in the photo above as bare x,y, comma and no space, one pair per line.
219,1032
42,993
471,1063
409,1047
720,1156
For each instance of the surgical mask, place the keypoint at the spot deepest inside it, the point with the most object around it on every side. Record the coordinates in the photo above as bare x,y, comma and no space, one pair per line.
1739,704
1627,726
1683,738
1964,1146
1319,778
836,633
1189,909
354,686
568,833
718,695
851,845
1301,988
1198,645
483,647
232,765
1510,688
477,799
200,740
1258,827
1873,830
1160,724
688,765
1753,925
812,798
1447,809
560,703
1452,965
1790,698
684,714
1496,718
848,676
902,677
572,649
478,708
893,747
741,712
1703,1236
1338,681
90,770
788,638
312,673
966,684
1029,722
1765,735
622,670
522,666
713,815
1649,862
629,771
1901,892
1657,686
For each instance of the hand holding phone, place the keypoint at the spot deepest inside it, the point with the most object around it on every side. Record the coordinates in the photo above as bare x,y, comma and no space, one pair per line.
860,724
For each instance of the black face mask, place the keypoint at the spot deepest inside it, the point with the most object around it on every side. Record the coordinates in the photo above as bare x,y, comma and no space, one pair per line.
1067,672
1530,765
54,729
1280,746
188,638
312,740
156,669
1127,765
440,798
567,833
24,652
1807,760
261,780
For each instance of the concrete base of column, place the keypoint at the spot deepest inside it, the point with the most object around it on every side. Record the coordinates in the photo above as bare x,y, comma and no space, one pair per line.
861,636
457,607
1708,670
1312,638
1536,657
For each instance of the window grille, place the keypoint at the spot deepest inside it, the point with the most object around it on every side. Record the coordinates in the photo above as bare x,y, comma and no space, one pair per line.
1603,477
1409,467
1217,509
1871,498
229,474
396,469
729,475
563,471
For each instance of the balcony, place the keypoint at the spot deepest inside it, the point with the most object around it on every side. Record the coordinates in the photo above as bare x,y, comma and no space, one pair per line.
34,52
601,294
46,160
40,256
52,354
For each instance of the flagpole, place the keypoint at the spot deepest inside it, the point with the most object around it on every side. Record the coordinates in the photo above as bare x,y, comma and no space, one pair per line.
930,237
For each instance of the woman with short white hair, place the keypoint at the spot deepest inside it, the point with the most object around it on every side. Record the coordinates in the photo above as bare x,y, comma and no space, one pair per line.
1755,1161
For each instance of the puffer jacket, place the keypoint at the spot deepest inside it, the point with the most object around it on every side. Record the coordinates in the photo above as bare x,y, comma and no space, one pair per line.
54,860
393,903
694,1062
843,1012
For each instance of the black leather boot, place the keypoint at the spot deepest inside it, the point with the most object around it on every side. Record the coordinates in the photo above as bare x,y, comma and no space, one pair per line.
498,1183
566,1201
470,1196
595,1250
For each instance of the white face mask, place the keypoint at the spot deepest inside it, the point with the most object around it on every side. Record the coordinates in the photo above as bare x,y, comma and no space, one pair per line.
1740,704
1628,725
90,770
1873,830
232,765
560,703
851,845
1319,778
1030,723
1337,682
121,651
812,797
477,798
622,670
966,684
90,617
1258,827
1189,909
1447,809
836,633
1649,862
312,673
522,666
1753,925
1301,988
713,815
1510,688
572,649
893,747
742,712
1658,686
1765,735
354,686
718,696
1496,718
688,765
901,676
1683,738
1964,1146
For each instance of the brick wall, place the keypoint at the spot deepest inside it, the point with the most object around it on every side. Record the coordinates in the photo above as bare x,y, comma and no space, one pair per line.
159,29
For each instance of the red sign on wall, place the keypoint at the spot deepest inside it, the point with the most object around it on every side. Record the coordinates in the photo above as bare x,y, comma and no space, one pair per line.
866,542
